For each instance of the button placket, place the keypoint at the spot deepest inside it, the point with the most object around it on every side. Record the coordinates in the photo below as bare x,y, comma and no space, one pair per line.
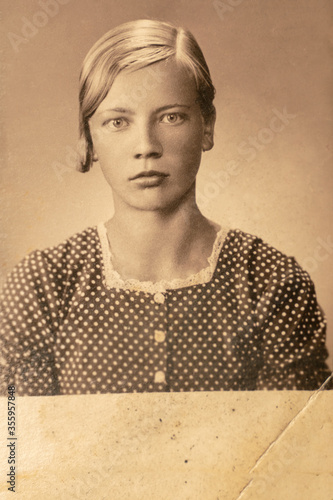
159,337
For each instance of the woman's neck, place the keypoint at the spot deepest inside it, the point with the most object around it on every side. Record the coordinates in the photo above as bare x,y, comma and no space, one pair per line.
160,245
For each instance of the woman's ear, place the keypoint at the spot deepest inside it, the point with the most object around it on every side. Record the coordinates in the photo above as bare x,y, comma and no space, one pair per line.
94,156
208,132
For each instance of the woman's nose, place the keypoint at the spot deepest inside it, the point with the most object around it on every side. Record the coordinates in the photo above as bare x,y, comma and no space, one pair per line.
148,144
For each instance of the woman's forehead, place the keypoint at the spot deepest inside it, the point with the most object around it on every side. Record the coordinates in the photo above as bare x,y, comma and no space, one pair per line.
159,84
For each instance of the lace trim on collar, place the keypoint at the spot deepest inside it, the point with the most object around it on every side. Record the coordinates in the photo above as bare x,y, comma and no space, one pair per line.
112,278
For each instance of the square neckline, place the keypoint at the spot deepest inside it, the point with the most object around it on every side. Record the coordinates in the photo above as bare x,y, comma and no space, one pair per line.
112,279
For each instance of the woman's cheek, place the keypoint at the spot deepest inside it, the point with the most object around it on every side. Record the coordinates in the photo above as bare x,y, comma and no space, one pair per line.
99,137
189,138
108,151
190,148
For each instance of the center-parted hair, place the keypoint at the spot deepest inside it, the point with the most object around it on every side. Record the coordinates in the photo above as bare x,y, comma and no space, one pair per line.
132,46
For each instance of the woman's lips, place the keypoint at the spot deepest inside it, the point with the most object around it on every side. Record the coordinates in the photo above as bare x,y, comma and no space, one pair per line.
149,178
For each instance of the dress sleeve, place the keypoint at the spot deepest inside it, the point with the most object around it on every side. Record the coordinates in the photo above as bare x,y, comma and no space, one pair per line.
292,328
30,313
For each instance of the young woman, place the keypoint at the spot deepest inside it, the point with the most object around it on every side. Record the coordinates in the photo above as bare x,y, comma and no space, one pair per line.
159,298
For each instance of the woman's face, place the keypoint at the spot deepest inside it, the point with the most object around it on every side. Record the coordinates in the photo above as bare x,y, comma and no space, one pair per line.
148,135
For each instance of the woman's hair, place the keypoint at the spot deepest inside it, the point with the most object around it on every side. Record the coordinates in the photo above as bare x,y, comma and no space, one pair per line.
132,46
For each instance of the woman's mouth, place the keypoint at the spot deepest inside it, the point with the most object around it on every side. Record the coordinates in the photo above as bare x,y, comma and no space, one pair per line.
150,178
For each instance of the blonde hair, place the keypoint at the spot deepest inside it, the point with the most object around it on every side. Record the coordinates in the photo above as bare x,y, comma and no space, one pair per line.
132,46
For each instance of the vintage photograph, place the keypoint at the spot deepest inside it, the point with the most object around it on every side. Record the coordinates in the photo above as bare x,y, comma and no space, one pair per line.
160,297
166,208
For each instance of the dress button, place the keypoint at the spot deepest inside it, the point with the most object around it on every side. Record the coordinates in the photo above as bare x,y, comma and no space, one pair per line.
159,335
159,377
159,298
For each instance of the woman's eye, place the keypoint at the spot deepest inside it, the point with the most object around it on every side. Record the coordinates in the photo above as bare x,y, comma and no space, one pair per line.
116,123
172,118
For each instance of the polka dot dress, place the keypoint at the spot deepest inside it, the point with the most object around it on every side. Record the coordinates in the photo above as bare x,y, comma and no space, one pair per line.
67,328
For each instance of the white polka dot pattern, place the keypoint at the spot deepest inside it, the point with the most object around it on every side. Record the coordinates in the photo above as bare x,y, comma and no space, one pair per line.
255,325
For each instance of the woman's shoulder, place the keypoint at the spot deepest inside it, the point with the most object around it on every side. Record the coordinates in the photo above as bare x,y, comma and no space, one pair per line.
260,257
238,240
72,253
79,243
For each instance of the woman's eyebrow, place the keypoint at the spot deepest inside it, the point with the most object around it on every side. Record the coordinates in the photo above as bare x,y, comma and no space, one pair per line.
117,110
131,112
169,106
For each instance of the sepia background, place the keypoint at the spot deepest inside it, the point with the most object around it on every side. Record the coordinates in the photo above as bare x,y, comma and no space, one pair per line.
270,172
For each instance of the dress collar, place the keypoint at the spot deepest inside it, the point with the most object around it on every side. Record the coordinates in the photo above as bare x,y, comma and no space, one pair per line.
112,278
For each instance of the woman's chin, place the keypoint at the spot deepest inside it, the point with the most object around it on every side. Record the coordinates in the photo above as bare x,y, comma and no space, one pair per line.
156,198
148,199
152,206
